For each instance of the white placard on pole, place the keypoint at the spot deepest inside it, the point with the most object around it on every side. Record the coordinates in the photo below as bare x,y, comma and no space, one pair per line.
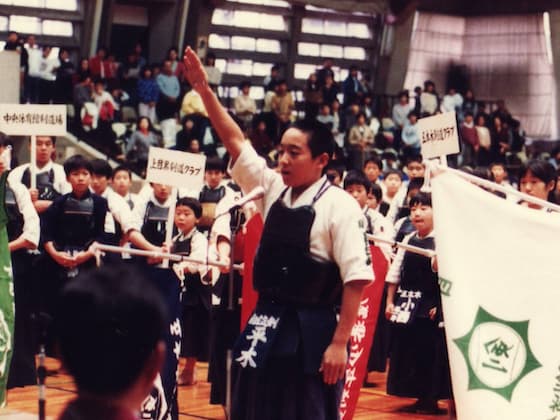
175,168
438,135
27,119
170,224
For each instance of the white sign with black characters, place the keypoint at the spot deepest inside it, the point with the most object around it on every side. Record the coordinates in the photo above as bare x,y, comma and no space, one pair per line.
438,135
175,168
27,119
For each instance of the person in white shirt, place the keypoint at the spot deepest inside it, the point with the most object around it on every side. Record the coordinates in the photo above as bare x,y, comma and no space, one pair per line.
47,71
34,54
121,224
50,177
313,251
121,181
245,107
453,101
23,234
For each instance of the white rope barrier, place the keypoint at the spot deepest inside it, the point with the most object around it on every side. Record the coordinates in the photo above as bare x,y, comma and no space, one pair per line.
157,254
417,250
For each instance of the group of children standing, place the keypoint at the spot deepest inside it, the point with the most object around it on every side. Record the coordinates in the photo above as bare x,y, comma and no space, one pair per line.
54,227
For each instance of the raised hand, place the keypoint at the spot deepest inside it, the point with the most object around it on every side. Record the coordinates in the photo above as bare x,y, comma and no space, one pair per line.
196,75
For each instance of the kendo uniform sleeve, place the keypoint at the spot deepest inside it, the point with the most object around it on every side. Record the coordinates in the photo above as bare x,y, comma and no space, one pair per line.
31,227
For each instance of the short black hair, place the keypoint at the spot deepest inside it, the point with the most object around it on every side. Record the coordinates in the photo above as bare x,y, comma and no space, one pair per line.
392,172
413,158
192,203
356,177
53,138
376,191
215,163
415,184
319,137
376,160
108,322
101,167
121,168
541,169
73,163
421,198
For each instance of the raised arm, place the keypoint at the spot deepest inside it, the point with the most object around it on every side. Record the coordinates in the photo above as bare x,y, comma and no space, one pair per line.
229,132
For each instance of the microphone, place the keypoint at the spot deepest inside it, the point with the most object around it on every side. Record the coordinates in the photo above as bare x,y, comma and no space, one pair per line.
255,194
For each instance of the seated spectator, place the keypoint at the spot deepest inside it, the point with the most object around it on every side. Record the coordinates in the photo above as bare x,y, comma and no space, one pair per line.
185,135
106,104
329,90
213,72
452,101
82,93
168,103
484,140
429,101
148,94
269,82
245,107
361,141
177,66
98,64
469,141
469,103
411,137
352,88
325,116
400,116
261,141
82,71
282,105
139,144
129,73
313,96
110,324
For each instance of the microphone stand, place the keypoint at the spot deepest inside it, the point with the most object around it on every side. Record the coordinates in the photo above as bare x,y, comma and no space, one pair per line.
234,224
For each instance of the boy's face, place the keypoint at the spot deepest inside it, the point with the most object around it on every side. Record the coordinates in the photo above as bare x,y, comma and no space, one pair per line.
161,192
80,180
393,183
372,171
372,201
359,193
499,173
99,183
121,183
213,177
415,170
185,219
535,187
421,216
44,150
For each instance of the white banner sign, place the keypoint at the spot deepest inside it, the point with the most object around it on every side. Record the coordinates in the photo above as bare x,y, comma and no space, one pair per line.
26,119
175,168
438,135
499,278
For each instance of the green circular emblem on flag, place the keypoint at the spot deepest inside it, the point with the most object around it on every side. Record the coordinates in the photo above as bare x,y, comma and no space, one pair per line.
497,353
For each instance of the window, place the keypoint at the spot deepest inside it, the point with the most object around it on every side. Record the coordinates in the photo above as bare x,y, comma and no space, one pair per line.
45,4
335,28
242,43
308,48
219,41
25,24
268,45
354,53
278,3
302,71
334,51
3,24
57,27
248,19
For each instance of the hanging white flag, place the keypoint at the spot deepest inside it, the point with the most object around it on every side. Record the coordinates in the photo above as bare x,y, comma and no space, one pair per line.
500,281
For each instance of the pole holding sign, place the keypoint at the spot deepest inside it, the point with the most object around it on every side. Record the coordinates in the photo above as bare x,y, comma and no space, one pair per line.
33,162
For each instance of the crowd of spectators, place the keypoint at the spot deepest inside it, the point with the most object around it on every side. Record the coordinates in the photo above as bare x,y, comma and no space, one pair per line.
156,97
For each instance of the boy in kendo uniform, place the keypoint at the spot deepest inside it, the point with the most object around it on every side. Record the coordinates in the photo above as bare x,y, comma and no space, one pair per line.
72,223
197,287
212,192
313,258
51,179
121,223
153,213
23,234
